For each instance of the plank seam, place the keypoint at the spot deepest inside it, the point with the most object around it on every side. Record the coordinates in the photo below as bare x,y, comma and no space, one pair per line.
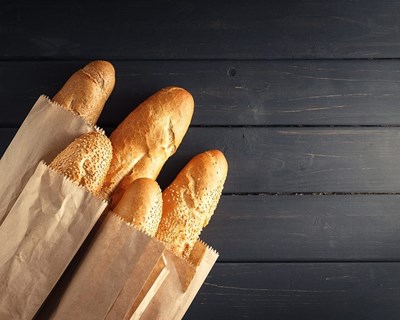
227,59
309,193
301,126
16,126
307,261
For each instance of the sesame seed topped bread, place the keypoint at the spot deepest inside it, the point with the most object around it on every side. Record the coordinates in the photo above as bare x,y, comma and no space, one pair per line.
146,138
190,201
87,90
85,161
141,205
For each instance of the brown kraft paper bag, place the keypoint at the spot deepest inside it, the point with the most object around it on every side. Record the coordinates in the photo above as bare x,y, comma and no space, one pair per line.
47,130
39,237
125,274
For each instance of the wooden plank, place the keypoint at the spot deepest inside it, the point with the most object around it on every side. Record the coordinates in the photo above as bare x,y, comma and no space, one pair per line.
298,159
306,228
264,160
260,92
326,291
200,30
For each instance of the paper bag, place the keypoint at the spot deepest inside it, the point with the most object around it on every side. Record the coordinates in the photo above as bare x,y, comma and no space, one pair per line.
114,254
39,237
47,130
184,280
125,274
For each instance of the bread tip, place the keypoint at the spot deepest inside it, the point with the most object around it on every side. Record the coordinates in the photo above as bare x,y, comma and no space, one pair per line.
103,72
216,153
219,157
185,94
174,88
103,65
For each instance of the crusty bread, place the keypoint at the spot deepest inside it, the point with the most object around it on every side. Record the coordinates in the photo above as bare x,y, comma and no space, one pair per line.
190,201
141,205
87,90
147,137
85,161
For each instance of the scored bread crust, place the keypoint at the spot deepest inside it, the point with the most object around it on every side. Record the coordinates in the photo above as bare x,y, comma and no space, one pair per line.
87,90
190,201
85,161
141,205
147,137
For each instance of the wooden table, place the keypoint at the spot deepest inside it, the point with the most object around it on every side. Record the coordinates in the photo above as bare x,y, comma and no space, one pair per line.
301,96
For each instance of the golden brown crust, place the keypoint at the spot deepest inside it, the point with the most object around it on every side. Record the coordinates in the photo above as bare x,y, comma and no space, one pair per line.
147,137
141,205
190,201
85,161
87,90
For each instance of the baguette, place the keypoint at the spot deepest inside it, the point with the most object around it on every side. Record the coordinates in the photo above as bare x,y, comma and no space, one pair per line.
87,90
141,205
190,201
147,137
85,161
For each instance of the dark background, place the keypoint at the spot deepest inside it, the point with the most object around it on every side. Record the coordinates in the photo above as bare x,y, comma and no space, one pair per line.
301,96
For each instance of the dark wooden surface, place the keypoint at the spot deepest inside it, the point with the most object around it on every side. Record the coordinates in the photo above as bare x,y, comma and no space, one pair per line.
179,29
234,92
303,98
296,160
331,291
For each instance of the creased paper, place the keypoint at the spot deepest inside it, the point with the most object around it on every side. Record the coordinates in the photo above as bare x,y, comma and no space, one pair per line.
114,254
125,274
46,130
179,289
39,237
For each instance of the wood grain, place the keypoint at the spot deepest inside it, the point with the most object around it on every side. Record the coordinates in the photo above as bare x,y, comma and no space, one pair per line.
200,30
228,92
306,228
269,79
296,228
293,160
290,160
299,291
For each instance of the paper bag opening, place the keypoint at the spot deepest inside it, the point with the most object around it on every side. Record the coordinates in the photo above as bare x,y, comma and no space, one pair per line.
40,235
127,274
47,129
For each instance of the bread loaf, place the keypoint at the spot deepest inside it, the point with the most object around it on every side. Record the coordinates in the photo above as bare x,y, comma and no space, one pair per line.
147,137
85,161
190,201
141,205
87,90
